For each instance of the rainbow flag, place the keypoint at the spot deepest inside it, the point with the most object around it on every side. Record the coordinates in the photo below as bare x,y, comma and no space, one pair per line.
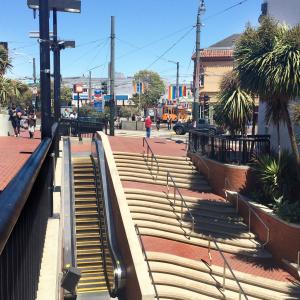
172,91
139,88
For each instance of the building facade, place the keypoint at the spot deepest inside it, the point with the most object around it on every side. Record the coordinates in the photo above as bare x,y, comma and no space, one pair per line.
216,61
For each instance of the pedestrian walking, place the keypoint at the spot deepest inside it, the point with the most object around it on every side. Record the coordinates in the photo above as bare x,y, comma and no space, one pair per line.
158,124
169,122
148,124
31,123
15,115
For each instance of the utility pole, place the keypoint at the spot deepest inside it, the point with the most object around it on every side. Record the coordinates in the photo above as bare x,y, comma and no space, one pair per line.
177,82
45,69
112,77
34,81
201,11
90,86
108,80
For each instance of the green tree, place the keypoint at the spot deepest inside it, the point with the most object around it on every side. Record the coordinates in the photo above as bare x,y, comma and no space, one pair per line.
235,106
267,60
65,95
5,62
154,88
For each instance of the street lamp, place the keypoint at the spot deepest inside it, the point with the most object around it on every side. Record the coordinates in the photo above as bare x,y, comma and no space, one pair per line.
44,6
177,78
72,6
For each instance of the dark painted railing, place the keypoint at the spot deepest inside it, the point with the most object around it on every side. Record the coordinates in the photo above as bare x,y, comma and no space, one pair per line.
25,206
81,127
228,149
111,255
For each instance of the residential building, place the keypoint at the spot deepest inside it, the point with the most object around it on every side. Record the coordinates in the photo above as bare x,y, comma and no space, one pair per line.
216,61
288,13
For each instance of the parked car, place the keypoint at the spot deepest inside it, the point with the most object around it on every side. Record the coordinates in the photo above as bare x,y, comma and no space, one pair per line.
202,125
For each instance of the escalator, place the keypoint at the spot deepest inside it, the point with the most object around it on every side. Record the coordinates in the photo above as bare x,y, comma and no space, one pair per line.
93,248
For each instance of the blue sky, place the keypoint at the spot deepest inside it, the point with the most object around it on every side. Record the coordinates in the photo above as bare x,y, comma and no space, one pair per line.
156,24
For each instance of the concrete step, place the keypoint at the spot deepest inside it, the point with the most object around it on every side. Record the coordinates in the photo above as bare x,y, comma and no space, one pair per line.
166,159
196,187
225,247
131,154
149,175
174,171
205,229
195,210
170,165
185,230
159,197
201,266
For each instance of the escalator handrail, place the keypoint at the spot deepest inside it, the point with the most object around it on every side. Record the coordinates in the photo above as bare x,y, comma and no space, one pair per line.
119,270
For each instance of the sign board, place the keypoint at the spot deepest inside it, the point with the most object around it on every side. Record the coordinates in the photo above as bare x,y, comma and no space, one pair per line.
98,105
77,88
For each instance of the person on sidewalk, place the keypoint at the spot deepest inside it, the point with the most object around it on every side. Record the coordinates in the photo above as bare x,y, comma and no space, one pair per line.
148,124
31,123
169,121
158,124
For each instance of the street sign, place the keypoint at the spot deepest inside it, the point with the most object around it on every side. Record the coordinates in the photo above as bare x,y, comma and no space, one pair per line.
77,88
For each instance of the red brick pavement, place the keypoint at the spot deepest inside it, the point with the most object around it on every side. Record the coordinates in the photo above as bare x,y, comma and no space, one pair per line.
254,266
135,145
77,147
11,157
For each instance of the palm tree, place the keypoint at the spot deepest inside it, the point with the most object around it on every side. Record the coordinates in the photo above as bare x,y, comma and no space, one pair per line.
268,63
235,106
4,61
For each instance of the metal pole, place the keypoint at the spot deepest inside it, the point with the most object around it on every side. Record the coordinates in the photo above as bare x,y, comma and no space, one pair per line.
112,77
90,86
45,92
56,63
177,82
201,9
79,136
34,81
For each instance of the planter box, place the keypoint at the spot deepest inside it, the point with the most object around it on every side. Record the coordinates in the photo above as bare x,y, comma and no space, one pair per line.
284,241
129,125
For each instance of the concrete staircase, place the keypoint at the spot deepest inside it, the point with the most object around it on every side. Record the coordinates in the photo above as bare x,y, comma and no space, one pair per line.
181,278
134,167
155,216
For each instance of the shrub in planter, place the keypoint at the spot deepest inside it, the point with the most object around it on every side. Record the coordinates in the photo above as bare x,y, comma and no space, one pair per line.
277,176
288,211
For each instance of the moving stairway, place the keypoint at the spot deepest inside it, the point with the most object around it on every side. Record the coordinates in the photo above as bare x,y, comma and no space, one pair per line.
95,251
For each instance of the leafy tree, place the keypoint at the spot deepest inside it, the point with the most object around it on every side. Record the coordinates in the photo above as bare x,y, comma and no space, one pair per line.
235,106
267,60
65,95
154,88
5,62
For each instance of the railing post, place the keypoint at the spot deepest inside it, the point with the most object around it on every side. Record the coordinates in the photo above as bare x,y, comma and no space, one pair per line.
249,220
224,275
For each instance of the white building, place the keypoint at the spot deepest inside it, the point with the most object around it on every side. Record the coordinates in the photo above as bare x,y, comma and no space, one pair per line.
287,12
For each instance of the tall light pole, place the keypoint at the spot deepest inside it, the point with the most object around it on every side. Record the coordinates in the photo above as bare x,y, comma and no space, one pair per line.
177,78
112,78
201,11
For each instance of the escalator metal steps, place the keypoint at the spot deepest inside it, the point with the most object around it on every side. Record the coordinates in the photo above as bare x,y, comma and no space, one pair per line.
88,241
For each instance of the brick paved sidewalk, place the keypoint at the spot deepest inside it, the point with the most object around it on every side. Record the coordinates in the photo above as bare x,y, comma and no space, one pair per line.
14,152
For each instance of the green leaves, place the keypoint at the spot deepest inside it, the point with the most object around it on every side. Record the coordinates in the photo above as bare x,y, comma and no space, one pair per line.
154,88
5,62
235,106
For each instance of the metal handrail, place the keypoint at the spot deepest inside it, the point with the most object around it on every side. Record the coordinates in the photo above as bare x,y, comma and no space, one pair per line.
153,157
146,259
98,157
250,210
183,203
226,264
298,262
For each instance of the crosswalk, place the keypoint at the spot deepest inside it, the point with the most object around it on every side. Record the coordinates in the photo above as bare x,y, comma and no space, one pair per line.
154,134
